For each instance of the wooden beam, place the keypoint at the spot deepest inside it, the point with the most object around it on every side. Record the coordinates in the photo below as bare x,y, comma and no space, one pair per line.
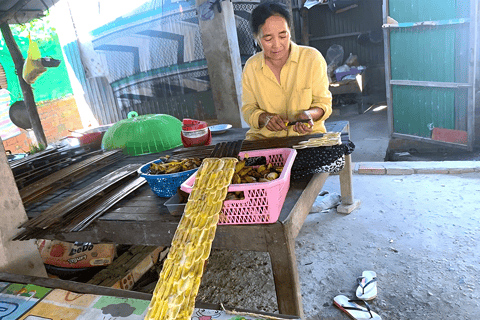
388,68
472,74
305,29
26,88
281,248
10,13
429,140
336,36
85,288
220,45
431,84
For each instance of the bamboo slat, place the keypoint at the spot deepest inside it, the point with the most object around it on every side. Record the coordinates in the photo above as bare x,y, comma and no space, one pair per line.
59,179
57,212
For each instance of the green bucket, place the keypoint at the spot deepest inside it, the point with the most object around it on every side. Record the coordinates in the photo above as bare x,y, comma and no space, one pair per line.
145,134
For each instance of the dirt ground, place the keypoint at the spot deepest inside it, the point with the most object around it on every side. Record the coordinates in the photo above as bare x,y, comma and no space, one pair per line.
419,233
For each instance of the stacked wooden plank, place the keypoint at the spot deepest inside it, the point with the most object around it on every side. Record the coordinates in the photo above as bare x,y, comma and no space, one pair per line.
64,177
128,268
78,210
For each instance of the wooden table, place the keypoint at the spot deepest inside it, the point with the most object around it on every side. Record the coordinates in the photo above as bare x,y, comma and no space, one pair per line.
143,219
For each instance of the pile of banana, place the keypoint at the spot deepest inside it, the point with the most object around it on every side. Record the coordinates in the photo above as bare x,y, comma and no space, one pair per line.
328,139
179,281
248,174
174,166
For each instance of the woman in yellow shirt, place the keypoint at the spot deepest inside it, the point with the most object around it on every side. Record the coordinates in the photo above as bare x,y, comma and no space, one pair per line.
285,82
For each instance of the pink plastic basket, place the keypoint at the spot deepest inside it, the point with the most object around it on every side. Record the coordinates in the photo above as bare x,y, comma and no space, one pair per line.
264,200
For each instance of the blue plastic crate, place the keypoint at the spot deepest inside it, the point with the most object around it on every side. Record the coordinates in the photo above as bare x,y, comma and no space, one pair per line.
164,185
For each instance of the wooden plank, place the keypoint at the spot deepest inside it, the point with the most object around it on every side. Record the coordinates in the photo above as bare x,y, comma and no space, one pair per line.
86,288
388,68
77,287
430,84
426,23
336,36
474,54
281,247
302,206
135,216
145,203
160,233
439,143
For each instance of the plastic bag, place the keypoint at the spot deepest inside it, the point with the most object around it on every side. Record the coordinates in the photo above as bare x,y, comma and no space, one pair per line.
33,68
334,58
352,61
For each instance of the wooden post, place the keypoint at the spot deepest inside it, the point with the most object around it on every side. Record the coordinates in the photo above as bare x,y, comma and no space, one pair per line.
281,248
26,88
220,45
19,257
388,70
305,33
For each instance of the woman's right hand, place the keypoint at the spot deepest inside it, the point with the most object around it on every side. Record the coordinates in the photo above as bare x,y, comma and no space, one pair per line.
273,122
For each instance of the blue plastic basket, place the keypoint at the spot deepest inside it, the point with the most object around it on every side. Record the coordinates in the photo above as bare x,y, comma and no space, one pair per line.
164,185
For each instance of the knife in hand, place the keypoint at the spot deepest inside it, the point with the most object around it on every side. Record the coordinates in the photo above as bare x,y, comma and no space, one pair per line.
300,120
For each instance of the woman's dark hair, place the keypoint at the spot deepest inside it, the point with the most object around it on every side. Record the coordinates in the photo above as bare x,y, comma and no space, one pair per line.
264,11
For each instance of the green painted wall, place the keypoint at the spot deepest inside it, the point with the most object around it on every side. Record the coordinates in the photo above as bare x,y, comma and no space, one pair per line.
438,54
53,84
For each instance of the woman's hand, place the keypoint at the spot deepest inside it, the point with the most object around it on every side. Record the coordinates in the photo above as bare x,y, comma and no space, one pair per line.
273,122
304,128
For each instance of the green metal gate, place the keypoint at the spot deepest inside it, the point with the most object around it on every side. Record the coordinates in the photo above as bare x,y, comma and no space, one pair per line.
430,50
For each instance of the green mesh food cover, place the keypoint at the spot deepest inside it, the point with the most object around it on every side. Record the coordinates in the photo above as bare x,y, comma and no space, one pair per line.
138,135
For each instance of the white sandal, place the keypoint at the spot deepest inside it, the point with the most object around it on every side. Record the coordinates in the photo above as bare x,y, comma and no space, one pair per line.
367,285
354,310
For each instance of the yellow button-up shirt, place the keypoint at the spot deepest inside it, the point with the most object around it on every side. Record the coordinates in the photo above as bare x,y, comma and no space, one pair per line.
303,85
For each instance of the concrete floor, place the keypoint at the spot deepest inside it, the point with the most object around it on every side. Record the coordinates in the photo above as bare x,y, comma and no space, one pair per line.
418,232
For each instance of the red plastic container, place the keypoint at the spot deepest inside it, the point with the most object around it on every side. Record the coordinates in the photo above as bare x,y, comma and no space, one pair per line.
263,200
195,133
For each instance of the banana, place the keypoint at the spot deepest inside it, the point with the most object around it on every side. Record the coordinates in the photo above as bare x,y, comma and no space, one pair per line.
244,171
174,168
236,179
261,168
272,176
239,166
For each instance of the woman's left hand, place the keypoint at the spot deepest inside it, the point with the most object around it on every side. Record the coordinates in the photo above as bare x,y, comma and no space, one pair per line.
304,128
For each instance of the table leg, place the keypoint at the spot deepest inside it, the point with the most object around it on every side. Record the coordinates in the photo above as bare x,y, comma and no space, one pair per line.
281,247
348,203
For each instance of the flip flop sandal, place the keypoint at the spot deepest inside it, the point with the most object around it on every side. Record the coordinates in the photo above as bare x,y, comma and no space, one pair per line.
367,285
353,310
